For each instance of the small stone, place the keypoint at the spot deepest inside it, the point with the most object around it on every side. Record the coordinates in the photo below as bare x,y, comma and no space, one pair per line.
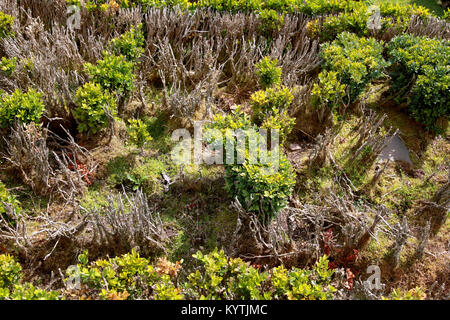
294,147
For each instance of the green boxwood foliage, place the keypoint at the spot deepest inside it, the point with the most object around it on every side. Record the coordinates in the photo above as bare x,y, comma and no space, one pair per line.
226,124
258,188
422,73
416,293
130,44
268,72
229,6
21,107
6,22
270,102
357,61
138,132
309,7
104,5
223,278
129,273
430,97
12,287
300,284
237,120
355,20
281,122
217,277
392,13
10,271
447,15
7,66
181,4
7,198
270,110
270,21
113,73
328,91
92,101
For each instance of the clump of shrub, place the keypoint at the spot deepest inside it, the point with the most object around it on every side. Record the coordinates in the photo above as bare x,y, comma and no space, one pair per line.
323,7
92,104
217,277
113,73
430,97
13,288
281,122
20,107
396,12
6,22
357,61
105,5
128,276
237,120
260,185
262,182
111,76
328,92
180,4
261,179
130,44
270,110
355,19
138,132
223,278
229,6
92,5
9,271
228,125
422,73
350,63
263,188
270,102
268,72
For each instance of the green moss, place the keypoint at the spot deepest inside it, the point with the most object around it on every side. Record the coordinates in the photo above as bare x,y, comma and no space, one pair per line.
117,169
95,198
179,247
148,175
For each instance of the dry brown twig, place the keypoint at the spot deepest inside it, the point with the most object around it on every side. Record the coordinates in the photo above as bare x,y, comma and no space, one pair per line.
46,171
127,222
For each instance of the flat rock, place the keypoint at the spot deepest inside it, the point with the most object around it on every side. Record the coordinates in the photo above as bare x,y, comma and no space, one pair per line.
396,150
